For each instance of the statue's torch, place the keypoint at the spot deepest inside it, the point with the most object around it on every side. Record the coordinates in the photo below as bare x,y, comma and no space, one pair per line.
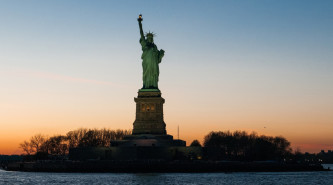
140,18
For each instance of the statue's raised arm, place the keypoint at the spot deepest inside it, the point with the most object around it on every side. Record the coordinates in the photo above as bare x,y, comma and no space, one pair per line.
151,57
140,26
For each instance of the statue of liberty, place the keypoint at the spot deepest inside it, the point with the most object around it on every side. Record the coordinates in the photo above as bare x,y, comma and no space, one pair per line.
151,57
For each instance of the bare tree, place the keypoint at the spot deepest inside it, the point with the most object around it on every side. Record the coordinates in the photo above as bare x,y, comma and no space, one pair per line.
27,147
74,137
57,145
36,141
82,137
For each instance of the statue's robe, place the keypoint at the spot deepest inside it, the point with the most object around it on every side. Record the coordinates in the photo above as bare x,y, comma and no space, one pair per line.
151,57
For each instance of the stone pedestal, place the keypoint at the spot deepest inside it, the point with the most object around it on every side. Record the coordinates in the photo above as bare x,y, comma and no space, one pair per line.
149,113
149,139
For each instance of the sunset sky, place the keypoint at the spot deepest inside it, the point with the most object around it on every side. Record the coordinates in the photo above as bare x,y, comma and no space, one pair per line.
263,66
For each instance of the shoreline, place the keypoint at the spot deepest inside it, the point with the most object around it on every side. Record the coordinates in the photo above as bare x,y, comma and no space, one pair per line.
100,166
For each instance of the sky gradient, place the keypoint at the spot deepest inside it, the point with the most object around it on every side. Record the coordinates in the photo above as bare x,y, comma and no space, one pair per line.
263,66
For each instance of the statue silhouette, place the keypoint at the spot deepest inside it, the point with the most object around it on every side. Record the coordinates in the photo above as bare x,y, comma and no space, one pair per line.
151,57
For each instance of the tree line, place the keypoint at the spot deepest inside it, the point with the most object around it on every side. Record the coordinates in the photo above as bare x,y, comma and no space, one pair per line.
217,145
240,145
60,144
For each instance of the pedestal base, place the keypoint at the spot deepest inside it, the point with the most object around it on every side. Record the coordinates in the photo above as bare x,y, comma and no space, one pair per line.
149,113
149,139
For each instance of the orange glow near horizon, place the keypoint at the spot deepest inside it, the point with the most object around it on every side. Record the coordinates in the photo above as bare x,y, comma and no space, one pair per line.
10,145
190,130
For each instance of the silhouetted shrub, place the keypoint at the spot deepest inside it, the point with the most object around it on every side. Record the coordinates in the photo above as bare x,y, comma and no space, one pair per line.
195,143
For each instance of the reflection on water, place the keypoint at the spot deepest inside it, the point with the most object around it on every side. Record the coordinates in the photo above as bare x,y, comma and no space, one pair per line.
167,178
328,166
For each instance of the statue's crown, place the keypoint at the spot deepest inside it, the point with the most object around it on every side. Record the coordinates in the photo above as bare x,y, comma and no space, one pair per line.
150,34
